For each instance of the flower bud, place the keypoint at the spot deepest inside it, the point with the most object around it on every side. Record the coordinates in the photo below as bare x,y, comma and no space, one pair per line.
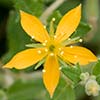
84,77
92,88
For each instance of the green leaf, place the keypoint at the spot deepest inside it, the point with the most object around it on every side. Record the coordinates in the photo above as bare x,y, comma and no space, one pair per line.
98,79
34,90
82,30
17,38
63,92
96,98
6,3
80,92
68,5
34,7
48,2
73,73
26,90
96,69
2,95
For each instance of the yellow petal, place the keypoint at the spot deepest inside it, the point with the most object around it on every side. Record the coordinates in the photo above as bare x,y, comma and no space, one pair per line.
33,27
68,24
78,54
51,74
26,58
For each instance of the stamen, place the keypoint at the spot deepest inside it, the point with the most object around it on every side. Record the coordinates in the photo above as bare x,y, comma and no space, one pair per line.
62,52
32,37
46,50
51,54
69,38
39,51
53,19
71,41
44,26
71,46
45,41
37,45
75,56
44,44
43,70
55,36
59,49
60,68
80,40
52,27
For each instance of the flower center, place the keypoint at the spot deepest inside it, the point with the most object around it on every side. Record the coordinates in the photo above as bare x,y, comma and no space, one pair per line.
51,48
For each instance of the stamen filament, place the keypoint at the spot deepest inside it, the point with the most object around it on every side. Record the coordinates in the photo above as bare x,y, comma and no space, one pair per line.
39,63
34,45
52,27
71,41
64,64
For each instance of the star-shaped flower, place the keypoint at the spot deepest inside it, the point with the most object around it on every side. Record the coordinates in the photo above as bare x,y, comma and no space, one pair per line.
51,47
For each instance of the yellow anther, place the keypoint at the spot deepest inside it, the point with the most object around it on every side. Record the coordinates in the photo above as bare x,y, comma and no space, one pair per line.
39,51
60,68
44,44
80,40
71,46
51,54
55,36
75,56
59,49
32,37
69,39
46,50
53,19
44,26
43,70
62,52
45,41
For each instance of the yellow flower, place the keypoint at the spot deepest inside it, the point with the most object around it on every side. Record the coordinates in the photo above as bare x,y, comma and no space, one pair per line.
52,47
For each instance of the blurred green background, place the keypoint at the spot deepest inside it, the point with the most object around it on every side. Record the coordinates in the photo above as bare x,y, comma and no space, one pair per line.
27,84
